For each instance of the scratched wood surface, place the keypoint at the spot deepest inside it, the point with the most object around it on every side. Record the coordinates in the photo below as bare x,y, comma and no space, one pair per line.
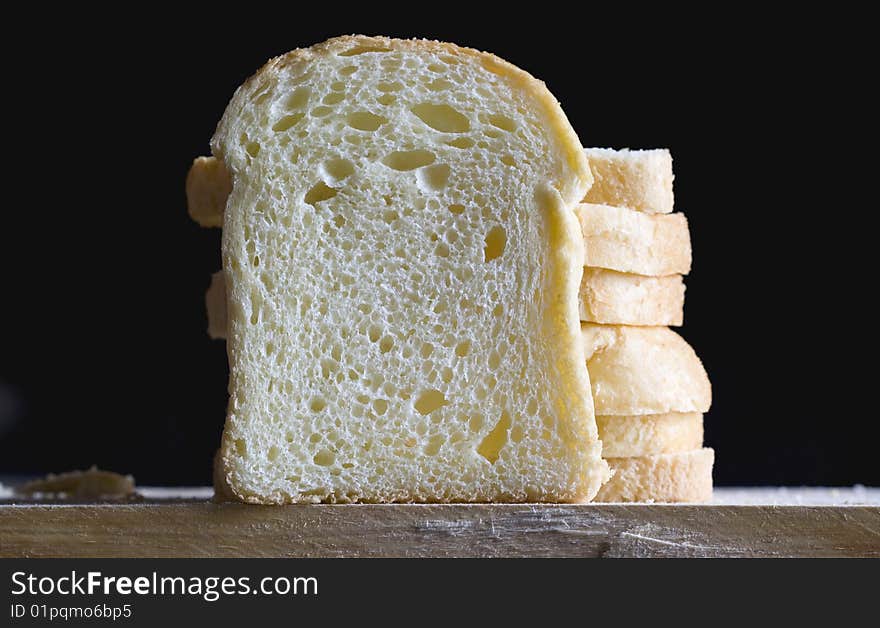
169,523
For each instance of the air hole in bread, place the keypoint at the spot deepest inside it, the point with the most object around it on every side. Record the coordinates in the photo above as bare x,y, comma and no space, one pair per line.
494,360
386,99
386,344
338,86
442,250
240,447
461,142
253,148
374,333
272,455
287,121
324,458
298,98
320,112
426,350
496,240
438,85
359,50
333,98
443,118
393,86
390,216
338,169
516,434
446,374
433,178
318,404
429,401
409,160
508,160
380,406
319,192
348,70
434,443
365,121
490,447
455,208
502,122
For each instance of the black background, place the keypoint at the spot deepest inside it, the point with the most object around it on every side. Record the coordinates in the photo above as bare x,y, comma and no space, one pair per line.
104,355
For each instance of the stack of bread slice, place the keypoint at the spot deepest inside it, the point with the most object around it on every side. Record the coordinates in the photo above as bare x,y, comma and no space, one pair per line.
649,388
400,290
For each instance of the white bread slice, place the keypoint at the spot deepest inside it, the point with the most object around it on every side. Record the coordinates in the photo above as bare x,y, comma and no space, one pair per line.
402,262
679,477
637,179
629,241
215,305
610,297
643,370
207,187
650,434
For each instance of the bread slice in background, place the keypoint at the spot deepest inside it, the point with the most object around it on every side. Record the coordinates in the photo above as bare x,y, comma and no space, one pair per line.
643,370
610,297
649,434
629,241
215,306
402,261
207,187
637,179
678,477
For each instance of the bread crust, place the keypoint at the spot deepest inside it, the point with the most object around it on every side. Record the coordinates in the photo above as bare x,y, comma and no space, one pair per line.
678,477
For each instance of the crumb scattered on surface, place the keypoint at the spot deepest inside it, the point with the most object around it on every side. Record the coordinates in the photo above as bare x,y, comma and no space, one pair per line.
90,484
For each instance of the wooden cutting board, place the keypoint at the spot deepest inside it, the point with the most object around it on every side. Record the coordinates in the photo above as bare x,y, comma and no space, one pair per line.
184,523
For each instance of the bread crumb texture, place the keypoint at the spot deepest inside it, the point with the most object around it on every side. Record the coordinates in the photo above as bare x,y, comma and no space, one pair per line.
402,262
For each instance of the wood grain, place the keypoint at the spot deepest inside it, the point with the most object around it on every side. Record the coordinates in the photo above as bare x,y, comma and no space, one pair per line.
196,528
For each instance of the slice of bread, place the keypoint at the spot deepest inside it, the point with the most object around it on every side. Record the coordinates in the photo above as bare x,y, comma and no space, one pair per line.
610,297
215,305
402,261
637,179
207,187
650,434
679,477
629,241
643,370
